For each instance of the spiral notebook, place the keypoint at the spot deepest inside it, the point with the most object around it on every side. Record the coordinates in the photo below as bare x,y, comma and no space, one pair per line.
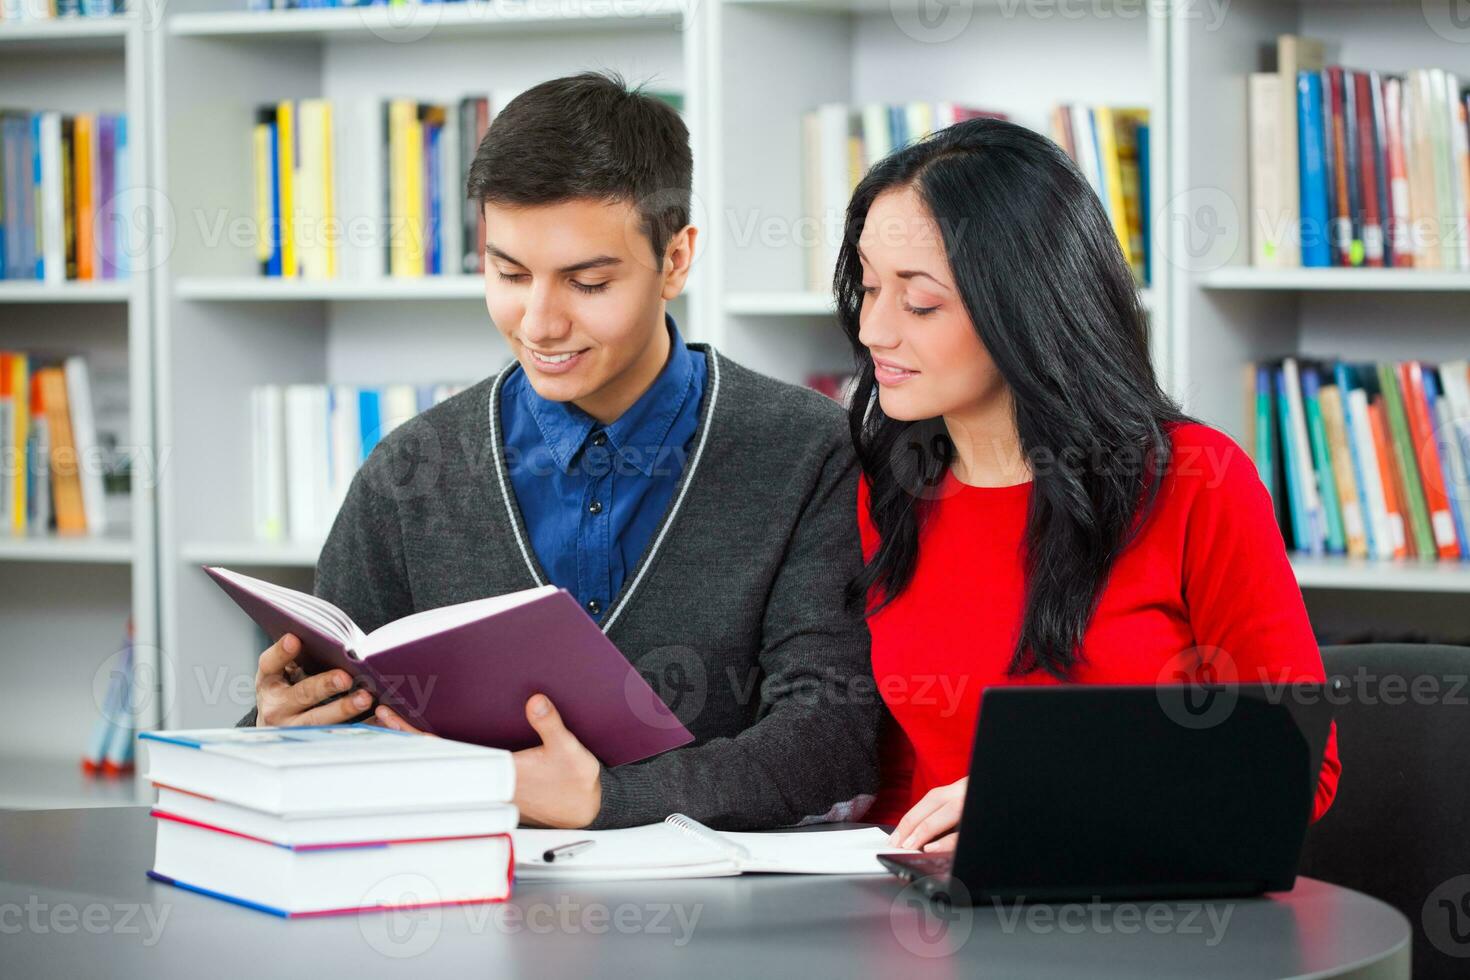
682,847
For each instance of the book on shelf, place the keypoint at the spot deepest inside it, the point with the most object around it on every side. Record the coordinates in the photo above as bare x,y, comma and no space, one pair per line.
361,188
65,191
465,671
1365,460
23,11
62,458
308,441
1356,167
317,820
1108,145
839,143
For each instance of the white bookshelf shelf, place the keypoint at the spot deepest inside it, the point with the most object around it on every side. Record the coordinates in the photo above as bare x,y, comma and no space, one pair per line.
271,289
1337,572
257,554
93,549
423,20
45,783
75,291
1337,279
78,32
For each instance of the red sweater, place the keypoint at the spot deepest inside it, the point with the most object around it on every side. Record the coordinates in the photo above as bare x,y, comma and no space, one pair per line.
1209,570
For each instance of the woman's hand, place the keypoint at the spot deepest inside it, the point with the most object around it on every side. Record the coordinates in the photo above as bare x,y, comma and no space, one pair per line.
386,717
938,813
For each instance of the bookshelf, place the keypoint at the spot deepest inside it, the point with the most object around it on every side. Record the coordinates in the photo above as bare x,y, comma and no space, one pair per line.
1226,313
65,600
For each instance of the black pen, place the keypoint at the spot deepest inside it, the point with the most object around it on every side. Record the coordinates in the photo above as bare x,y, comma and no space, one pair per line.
566,850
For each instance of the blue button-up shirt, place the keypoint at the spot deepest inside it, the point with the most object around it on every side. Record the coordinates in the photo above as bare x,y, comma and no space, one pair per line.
592,496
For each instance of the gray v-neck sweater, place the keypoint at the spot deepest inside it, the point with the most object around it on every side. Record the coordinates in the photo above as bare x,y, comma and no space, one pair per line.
734,613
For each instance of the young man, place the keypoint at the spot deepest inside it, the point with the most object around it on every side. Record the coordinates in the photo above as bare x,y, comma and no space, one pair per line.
703,515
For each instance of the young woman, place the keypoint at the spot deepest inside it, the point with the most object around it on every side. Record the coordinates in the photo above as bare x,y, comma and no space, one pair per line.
1034,508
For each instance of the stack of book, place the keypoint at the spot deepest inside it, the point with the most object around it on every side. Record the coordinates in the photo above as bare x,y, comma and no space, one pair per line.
1357,168
839,143
58,466
1111,147
332,819
307,442
64,196
1367,460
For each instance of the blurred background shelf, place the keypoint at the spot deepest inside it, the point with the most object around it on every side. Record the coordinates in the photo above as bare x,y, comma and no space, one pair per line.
104,549
416,21
1337,572
1336,279
264,289
256,554
97,291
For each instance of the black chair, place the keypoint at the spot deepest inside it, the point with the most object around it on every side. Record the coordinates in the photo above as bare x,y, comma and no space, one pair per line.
1399,828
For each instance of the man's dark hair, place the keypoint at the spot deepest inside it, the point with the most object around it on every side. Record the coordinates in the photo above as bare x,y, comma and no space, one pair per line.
589,136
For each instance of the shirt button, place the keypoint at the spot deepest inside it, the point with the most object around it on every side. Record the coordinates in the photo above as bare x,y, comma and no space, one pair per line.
595,507
594,607
600,439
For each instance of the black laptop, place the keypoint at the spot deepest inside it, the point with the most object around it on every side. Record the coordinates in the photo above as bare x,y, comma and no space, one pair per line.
1083,792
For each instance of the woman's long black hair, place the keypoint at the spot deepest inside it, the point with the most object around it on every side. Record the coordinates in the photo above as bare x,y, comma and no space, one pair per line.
1041,274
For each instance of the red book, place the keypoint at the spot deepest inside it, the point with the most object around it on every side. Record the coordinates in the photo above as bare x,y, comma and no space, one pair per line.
1431,472
1368,171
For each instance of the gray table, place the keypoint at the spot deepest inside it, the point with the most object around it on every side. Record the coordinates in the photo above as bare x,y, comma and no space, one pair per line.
74,902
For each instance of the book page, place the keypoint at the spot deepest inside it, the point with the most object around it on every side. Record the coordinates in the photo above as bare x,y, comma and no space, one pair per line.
430,621
814,852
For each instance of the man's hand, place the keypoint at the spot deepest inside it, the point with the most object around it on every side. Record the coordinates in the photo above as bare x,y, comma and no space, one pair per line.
938,812
286,696
558,783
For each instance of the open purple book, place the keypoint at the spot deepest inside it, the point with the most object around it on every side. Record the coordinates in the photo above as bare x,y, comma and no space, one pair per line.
466,671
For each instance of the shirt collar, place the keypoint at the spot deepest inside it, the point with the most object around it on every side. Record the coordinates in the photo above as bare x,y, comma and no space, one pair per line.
638,434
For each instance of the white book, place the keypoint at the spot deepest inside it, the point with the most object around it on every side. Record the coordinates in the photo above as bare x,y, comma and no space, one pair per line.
329,770
1267,204
310,189
268,462
877,136
400,403
835,188
409,821
682,847
334,880
452,198
1084,141
53,211
1387,535
360,183
346,442
84,437
306,454
1459,147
